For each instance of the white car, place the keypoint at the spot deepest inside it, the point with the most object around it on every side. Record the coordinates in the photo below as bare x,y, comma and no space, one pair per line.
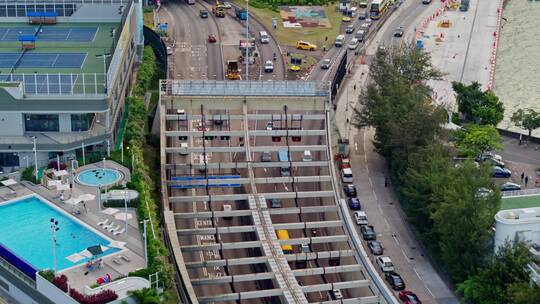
268,66
360,218
169,50
269,126
226,5
385,263
353,44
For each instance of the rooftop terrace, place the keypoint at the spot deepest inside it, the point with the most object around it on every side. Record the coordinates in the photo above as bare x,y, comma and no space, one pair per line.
66,58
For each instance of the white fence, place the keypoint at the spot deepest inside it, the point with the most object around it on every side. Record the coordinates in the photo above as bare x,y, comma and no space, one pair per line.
37,84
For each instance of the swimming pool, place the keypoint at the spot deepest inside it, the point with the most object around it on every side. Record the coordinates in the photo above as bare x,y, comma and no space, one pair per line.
26,232
98,177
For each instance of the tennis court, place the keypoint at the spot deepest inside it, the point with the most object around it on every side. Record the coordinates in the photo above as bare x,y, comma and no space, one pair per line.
75,34
42,60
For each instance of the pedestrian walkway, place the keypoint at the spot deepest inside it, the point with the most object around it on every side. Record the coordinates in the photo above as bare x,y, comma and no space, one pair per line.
462,45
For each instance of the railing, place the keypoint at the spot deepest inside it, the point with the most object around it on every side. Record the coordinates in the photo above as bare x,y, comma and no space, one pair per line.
59,83
535,191
244,88
32,2
18,263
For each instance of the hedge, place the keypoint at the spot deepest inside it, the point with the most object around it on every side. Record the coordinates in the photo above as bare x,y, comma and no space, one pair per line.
135,137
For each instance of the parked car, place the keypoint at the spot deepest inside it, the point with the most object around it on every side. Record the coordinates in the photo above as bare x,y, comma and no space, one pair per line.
508,186
303,45
368,232
398,32
360,34
500,172
426,1
487,155
169,50
395,280
266,157
346,175
353,44
354,203
269,126
409,297
385,263
375,247
349,29
494,162
350,190
275,203
203,14
212,38
325,64
336,294
268,66
362,15
361,218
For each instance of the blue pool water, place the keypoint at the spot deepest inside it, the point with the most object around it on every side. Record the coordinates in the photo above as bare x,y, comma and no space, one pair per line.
98,176
26,231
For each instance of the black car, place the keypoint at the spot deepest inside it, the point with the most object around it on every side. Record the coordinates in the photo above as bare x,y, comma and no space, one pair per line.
395,280
500,172
398,32
203,14
375,247
350,190
368,232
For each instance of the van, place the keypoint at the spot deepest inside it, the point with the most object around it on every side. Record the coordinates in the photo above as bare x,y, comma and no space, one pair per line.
263,37
353,44
360,34
307,156
385,263
340,39
228,209
183,148
346,175
361,218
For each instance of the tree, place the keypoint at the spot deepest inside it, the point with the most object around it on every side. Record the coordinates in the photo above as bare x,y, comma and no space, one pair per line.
523,293
527,119
474,139
476,106
502,278
428,170
462,219
398,105
146,296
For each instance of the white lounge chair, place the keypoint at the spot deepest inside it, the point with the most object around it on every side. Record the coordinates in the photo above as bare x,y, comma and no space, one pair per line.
113,229
123,257
106,227
117,232
102,223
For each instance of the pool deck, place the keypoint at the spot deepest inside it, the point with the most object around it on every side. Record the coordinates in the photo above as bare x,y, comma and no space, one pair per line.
113,265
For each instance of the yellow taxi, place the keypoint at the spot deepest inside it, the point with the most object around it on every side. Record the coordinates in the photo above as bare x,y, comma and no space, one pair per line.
346,19
303,45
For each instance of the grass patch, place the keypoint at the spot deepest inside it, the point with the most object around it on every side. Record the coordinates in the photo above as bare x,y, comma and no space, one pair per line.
517,202
286,36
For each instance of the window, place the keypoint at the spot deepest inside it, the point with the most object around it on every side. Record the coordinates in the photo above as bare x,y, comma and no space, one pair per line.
9,160
81,122
41,123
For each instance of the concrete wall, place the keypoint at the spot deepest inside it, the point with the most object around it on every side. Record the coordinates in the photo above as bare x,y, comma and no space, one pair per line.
11,124
525,228
52,292
65,122
15,292
95,13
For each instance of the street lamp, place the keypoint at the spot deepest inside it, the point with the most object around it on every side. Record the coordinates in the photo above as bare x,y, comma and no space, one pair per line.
54,228
125,209
35,157
122,152
145,243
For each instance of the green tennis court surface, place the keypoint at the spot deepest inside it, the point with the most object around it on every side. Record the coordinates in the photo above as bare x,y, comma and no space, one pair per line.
517,202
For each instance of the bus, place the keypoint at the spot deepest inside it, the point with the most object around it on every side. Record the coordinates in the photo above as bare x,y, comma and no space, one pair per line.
378,8
283,234
283,156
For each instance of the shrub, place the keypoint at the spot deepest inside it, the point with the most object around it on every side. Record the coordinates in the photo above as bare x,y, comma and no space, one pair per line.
28,175
104,296
47,274
61,282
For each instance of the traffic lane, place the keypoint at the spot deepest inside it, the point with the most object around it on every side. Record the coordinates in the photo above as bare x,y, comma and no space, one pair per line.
392,230
406,18
214,50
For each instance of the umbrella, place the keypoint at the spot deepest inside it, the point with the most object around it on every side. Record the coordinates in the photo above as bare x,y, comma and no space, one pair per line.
62,187
9,182
93,251
86,197
110,211
60,173
54,182
73,201
123,216
74,258
117,244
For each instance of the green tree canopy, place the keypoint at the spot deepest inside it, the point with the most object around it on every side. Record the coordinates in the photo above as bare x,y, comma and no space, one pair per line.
462,219
523,293
476,106
501,278
475,139
527,119
398,105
